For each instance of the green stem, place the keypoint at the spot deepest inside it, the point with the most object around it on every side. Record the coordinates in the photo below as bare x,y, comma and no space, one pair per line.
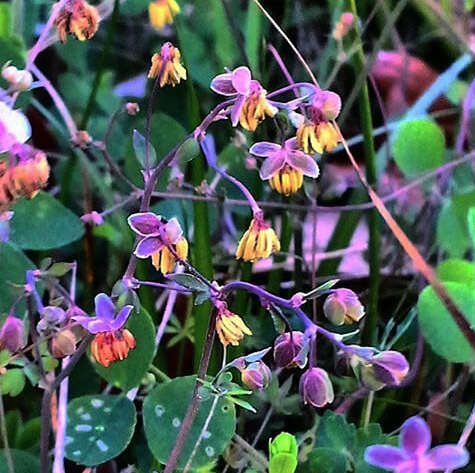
163,376
369,335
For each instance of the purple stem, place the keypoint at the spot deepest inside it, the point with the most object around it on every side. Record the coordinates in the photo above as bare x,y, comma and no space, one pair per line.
464,127
160,285
290,87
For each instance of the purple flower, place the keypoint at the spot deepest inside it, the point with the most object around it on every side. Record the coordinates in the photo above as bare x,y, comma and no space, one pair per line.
106,319
156,233
256,376
413,454
250,106
342,306
316,388
12,334
94,218
286,347
278,157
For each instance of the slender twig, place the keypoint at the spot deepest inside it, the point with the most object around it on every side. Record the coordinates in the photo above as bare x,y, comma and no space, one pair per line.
4,433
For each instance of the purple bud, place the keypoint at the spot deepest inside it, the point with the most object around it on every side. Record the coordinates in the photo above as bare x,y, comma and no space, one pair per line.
12,334
286,348
342,306
316,388
256,376
53,314
93,218
388,368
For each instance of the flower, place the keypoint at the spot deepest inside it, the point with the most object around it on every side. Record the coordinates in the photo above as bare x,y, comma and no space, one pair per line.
230,327
286,348
342,306
259,241
78,19
93,218
20,80
167,63
285,165
109,347
251,106
63,344
413,454
343,26
316,133
162,240
316,388
12,334
106,320
14,127
256,376
161,12
388,368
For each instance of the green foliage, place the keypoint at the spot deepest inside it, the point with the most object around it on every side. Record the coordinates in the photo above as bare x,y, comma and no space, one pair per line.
253,36
340,446
12,382
23,462
12,48
128,373
43,223
5,19
439,328
99,428
164,410
140,148
419,146
457,270
283,454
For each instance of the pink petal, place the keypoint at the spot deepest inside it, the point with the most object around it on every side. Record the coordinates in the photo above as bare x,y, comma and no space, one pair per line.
223,85
272,165
145,223
384,456
237,107
173,230
304,163
447,456
415,436
147,247
105,309
264,148
241,78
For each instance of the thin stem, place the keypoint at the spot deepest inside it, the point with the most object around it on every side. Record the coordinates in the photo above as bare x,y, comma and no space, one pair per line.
4,433
163,376
366,417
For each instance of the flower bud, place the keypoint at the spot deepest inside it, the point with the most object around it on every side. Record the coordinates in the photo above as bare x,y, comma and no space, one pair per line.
342,306
283,454
12,334
132,108
53,314
286,348
316,388
63,344
256,376
387,368
20,80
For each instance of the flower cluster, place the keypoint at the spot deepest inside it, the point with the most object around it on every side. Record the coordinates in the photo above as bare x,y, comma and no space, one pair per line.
167,66
161,12
160,239
79,19
230,328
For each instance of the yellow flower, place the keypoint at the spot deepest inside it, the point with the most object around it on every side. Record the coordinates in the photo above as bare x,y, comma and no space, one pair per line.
317,138
259,241
255,109
164,260
79,19
286,181
167,63
161,12
231,328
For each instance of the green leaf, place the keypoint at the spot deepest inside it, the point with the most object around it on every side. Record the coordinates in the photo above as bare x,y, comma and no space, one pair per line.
163,411
12,49
189,281
140,144
13,266
419,146
253,36
23,462
457,270
318,291
99,428
5,20
128,373
43,223
471,225
437,324
12,382
283,454
188,151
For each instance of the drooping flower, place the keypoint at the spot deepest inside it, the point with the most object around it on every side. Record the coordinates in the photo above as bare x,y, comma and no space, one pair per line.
284,165
167,63
12,334
286,348
316,133
256,376
161,12
230,327
19,80
316,388
79,19
414,454
63,343
251,105
342,306
388,368
111,342
259,241
160,237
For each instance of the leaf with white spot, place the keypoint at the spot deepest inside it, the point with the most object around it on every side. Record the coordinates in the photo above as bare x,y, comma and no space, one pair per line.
99,428
163,412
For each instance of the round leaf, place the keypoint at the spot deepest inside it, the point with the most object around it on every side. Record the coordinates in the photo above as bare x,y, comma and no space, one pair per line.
457,270
438,327
43,223
163,412
128,373
419,146
99,428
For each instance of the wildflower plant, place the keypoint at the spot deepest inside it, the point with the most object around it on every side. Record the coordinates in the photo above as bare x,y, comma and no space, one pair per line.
189,181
